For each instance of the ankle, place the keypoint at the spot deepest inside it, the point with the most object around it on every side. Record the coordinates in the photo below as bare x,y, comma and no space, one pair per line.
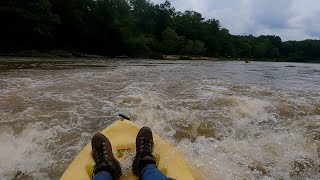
101,167
147,160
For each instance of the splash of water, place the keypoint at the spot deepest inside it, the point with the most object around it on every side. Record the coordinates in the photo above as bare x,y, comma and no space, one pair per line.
228,127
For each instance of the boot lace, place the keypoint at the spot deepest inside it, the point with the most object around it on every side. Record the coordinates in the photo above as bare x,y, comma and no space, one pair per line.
102,154
146,147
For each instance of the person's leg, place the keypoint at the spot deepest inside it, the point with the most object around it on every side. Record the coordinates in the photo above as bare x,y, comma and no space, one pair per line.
106,167
102,175
144,163
151,172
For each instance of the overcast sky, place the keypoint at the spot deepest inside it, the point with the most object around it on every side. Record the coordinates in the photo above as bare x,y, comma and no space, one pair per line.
290,19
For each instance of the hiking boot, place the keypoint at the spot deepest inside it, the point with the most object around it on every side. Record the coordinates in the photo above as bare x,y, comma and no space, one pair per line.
144,148
103,156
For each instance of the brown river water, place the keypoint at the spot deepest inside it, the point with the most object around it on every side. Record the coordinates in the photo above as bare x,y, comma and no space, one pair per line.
230,119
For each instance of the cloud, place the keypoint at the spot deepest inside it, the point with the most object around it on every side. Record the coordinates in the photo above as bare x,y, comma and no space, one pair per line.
290,19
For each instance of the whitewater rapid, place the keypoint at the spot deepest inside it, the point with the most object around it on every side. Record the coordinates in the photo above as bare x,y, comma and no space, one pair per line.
230,119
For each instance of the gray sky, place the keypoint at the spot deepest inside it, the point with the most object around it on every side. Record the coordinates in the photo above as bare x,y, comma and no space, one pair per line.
290,19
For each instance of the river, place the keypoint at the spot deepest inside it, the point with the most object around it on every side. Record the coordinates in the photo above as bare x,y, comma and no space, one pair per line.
230,119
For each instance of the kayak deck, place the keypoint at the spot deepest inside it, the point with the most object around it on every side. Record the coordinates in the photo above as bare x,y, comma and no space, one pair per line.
122,135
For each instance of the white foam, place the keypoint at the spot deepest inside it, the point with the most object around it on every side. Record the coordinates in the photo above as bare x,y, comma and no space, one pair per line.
250,109
231,158
227,127
24,153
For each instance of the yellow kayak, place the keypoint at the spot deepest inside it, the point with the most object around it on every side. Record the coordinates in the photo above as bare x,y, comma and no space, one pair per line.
122,135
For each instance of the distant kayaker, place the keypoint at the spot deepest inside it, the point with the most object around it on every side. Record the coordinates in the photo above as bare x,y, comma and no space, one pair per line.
144,163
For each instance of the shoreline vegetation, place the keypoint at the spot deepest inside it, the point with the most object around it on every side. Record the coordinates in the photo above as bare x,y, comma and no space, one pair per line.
133,29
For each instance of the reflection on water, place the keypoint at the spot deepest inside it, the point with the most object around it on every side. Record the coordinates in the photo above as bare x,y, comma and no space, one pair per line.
231,120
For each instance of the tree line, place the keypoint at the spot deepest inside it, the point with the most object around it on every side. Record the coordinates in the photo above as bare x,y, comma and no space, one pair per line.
137,28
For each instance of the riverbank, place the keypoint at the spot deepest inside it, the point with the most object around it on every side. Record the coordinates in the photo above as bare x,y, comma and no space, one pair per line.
179,57
70,54
49,54
58,54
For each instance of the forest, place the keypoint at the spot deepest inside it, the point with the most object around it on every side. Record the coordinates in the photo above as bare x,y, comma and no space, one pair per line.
135,28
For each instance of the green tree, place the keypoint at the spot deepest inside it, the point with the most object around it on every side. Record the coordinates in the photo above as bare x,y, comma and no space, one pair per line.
75,15
188,47
137,28
260,50
164,17
24,22
171,41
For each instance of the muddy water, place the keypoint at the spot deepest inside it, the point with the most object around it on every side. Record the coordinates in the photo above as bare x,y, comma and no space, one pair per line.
230,119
